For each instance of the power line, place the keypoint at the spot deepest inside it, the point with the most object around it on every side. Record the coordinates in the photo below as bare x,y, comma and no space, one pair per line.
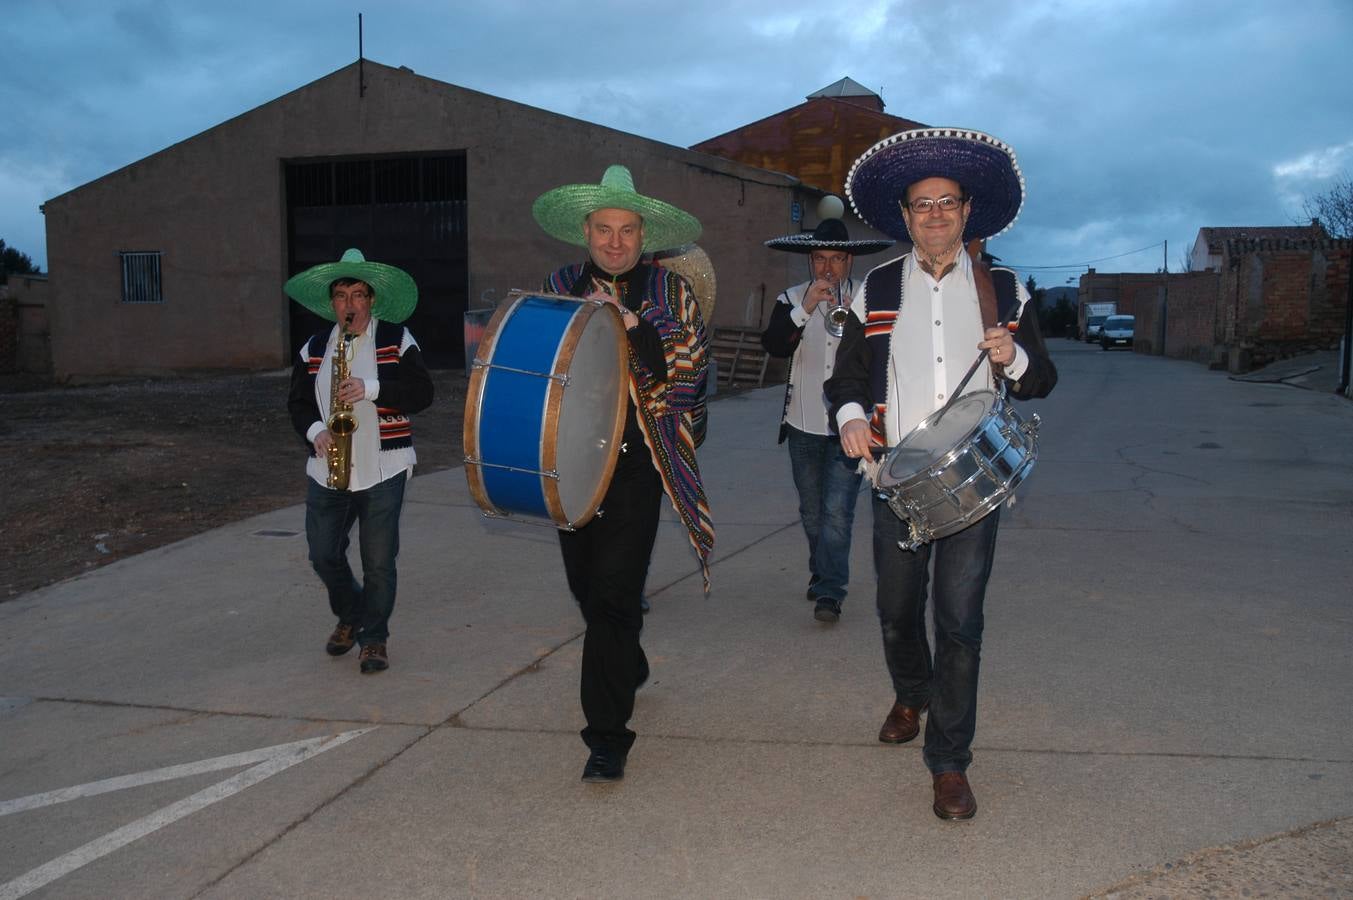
1084,265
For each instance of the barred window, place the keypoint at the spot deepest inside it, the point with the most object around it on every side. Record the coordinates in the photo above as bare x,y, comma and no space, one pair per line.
141,276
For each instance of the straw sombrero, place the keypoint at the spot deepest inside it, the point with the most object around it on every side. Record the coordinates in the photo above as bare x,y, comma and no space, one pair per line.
396,292
561,211
984,166
830,234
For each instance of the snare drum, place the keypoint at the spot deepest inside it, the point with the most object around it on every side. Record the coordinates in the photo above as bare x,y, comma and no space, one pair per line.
546,408
958,465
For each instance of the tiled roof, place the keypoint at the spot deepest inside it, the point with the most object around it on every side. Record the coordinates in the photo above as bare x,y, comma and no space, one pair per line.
1215,237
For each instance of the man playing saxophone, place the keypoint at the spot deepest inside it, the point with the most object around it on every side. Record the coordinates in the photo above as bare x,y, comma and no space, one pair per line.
353,388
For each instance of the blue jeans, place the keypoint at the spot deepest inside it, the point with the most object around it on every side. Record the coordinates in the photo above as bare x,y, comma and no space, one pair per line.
329,516
828,485
948,681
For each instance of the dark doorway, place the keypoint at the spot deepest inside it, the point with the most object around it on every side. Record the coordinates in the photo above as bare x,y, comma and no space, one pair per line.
408,211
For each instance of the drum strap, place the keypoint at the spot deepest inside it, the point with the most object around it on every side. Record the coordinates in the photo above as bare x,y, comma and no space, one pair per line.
986,289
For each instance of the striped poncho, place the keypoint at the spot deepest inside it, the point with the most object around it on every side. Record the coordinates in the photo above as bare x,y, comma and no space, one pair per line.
665,406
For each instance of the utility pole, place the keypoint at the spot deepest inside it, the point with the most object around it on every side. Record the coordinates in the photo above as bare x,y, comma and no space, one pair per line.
1344,363
361,61
1165,300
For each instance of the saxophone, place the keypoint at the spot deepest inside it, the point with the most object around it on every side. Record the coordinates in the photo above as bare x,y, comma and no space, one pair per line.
342,422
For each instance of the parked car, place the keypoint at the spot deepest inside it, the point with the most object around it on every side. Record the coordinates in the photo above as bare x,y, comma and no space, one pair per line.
1117,331
1092,327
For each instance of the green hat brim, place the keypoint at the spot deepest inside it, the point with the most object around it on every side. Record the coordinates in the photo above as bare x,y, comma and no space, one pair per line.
396,291
561,213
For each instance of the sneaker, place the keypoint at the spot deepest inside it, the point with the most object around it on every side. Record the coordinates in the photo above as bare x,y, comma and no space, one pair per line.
827,610
373,658
342,639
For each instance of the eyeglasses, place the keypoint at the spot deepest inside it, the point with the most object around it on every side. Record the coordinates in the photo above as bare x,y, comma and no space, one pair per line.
923,205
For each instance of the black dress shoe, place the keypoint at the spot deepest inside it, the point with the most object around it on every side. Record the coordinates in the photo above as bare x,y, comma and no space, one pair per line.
604,766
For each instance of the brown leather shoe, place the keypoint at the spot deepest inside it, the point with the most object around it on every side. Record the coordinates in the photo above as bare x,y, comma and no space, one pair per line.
341,640
953,796
903,724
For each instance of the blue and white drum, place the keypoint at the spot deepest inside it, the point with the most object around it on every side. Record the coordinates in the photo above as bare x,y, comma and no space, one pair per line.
546,408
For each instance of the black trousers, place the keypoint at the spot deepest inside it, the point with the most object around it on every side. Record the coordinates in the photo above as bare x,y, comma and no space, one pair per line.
606,562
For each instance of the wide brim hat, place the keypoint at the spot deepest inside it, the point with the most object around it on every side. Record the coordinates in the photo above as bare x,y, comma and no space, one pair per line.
396,292
985,167
561,211
829,234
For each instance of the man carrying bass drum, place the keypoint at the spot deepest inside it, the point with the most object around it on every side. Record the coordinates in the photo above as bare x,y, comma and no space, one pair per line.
606,560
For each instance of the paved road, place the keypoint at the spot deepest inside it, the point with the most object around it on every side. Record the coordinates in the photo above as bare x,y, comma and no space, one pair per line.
1163,701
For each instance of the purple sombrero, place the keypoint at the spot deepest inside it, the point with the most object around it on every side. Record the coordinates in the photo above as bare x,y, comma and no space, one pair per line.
985,166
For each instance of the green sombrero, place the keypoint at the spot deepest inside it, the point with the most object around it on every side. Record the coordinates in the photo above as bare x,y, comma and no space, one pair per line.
396,292
561,211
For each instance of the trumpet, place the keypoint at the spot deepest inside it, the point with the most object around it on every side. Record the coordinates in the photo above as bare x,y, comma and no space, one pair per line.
838,315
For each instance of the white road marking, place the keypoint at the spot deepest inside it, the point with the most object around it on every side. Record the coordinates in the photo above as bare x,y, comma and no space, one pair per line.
271,760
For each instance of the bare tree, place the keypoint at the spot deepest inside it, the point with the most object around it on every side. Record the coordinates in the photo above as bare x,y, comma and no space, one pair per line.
1334,208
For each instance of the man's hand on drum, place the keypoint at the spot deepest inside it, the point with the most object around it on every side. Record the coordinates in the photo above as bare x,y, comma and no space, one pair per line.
630,319
1001,344
855,438
820,291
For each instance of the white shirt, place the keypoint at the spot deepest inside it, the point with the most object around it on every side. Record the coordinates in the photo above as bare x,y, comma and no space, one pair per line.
813,361
932,345
369,465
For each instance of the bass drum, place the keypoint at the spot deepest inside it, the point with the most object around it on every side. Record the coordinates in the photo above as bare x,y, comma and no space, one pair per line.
958,465
546,408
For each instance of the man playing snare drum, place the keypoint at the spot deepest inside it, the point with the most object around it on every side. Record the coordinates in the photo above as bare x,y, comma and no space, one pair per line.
606,560
926,316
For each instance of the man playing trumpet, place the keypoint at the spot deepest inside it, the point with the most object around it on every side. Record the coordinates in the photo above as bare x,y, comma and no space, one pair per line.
806,325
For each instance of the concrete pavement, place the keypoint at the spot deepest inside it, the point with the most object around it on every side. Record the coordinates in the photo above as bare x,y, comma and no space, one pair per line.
1163,695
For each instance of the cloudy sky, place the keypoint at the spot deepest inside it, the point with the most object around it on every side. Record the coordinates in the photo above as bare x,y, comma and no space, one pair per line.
1136,123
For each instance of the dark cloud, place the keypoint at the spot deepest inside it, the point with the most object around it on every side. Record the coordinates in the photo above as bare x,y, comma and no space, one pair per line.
1135,123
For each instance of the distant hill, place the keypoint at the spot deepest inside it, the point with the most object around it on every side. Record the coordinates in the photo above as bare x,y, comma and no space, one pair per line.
1054,294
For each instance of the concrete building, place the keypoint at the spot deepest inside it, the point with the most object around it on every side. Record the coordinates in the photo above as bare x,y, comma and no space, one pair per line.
176,262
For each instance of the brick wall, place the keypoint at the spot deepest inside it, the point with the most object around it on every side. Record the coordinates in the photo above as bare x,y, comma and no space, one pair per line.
24,332
9,332
1282,298
1191,316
